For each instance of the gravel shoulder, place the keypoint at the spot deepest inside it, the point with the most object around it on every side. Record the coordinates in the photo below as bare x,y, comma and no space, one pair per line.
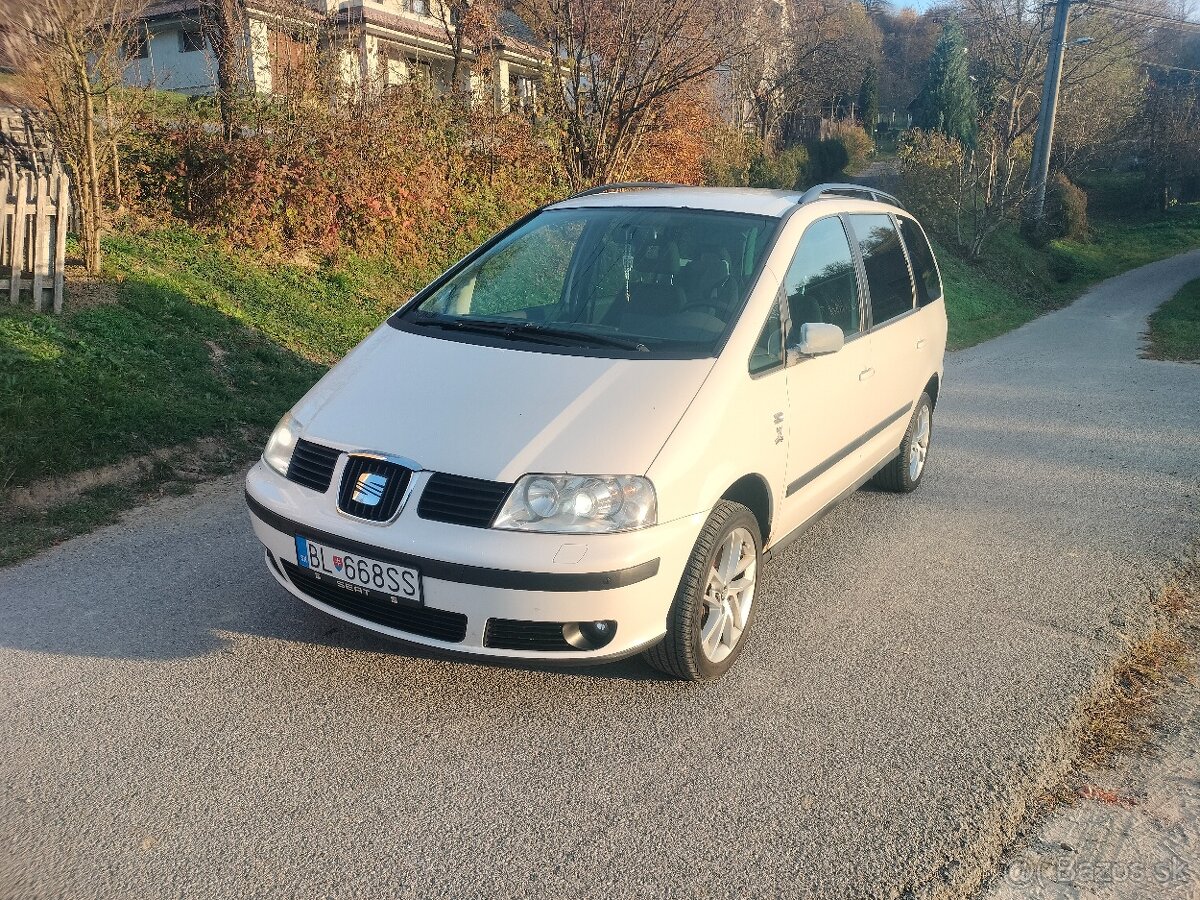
1133,834
174,725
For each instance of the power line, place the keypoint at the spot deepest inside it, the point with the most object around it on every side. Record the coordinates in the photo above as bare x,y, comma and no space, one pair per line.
1157,18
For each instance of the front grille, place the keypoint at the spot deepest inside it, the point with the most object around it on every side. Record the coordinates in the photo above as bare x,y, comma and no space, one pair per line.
514,634
431,623
462,501
312,465
372,488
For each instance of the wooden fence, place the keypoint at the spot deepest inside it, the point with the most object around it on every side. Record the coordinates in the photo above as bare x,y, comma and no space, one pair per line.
35,210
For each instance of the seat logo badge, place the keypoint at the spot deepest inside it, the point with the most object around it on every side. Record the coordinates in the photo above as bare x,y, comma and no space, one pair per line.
368,490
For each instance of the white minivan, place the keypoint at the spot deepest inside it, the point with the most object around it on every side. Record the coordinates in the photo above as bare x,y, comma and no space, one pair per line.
584,439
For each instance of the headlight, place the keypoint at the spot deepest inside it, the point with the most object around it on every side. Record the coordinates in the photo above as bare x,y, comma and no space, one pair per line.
278,454
579,503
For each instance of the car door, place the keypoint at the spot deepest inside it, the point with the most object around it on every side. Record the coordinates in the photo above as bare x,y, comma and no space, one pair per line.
929,336
895,329
828,395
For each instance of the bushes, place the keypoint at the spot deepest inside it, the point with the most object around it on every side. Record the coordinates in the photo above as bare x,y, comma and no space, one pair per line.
1066,209
931,176
786,170
856,143
829,159
846,148
409,175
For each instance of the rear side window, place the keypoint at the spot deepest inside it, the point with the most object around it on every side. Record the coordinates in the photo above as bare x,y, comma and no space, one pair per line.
821,283
929,285
887,269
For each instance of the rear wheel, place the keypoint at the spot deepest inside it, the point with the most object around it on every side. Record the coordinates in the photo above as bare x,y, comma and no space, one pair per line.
903,473
714,606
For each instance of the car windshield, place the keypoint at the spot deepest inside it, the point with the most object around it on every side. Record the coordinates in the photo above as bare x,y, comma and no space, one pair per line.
641,280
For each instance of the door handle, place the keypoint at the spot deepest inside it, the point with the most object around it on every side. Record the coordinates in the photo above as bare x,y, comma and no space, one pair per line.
920,343
865,374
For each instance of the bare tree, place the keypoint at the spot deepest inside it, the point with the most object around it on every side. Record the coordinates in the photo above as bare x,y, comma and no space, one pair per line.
612,65
1008,41
471,27
77,60
223,26
802,55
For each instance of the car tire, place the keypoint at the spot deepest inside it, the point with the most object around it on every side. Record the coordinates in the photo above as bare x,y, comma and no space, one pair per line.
714,607
904,473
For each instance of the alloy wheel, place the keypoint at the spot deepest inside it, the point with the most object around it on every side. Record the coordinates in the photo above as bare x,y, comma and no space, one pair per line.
728,595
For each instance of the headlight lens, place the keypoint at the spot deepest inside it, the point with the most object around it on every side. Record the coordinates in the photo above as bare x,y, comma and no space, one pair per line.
571,504
278,454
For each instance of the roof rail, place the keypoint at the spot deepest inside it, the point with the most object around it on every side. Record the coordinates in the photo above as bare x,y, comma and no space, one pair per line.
848,190
623,186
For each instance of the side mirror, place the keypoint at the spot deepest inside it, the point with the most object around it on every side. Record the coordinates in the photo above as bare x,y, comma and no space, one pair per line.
818,339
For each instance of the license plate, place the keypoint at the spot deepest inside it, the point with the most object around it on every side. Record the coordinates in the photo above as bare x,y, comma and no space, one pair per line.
360,574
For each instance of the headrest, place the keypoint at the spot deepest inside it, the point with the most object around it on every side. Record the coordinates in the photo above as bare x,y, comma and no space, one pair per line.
711,263
658,258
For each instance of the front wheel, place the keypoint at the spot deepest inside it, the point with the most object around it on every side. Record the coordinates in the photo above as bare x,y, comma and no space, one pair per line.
903,473
714,606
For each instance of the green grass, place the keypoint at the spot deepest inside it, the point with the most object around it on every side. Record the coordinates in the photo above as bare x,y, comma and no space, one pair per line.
1016,281
200,343
1175,326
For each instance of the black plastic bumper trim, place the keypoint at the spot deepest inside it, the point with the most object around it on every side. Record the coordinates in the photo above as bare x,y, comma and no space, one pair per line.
461,573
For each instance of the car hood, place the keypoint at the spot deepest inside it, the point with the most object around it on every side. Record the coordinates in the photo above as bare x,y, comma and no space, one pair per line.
498,412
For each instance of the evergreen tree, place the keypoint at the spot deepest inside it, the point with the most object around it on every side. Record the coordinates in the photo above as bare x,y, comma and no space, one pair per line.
868,99
947,101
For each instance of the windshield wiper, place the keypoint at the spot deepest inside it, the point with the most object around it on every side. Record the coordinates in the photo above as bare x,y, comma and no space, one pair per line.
530,330
606,340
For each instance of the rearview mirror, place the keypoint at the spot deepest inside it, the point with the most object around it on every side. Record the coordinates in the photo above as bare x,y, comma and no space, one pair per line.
819,338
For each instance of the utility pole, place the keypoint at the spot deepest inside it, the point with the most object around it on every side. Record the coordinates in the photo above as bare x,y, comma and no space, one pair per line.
1040,164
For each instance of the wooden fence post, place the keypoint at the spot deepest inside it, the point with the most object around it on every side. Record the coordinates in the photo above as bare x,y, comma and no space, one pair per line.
42,241
62,221
35,213
20,227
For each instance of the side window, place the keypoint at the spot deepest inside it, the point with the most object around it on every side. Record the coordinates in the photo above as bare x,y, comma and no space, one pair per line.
887,269
929,285
821,283
768,352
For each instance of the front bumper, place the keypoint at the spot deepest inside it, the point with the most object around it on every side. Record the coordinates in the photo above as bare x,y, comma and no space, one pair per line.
484,575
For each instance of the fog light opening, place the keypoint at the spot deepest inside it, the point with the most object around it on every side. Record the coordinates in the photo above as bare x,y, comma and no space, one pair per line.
590,635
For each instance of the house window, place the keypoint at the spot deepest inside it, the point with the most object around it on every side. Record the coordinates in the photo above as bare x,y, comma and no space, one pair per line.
420,71
420,7
190,40
522,92
137,46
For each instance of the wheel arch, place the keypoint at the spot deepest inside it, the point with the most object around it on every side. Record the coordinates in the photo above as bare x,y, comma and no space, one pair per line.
931,388
753,492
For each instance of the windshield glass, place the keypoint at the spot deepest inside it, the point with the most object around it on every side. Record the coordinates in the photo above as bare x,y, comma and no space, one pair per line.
644,280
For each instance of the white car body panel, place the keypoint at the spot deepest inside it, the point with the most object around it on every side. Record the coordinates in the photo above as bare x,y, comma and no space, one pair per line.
696,427
441,402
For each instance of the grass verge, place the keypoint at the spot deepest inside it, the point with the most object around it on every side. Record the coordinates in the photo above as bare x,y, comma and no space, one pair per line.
1124,714
1174,331
180,342
1017,282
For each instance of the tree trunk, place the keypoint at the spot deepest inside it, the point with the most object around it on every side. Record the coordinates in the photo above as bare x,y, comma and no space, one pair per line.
89,172
114,156
227,32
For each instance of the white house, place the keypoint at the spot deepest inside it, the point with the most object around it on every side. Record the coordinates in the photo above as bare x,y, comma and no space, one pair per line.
380,42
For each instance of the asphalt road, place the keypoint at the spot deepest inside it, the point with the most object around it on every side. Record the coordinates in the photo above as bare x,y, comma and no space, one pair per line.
173,724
